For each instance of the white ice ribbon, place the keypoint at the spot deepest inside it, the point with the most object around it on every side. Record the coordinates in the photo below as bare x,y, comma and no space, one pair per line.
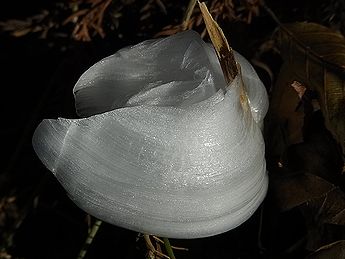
165,147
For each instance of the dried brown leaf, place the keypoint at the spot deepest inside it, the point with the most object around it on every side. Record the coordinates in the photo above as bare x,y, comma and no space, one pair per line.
334,250
314,55
13,25
294,190
283,113
221,45
299,88
321,203
21,33
330,208
5,255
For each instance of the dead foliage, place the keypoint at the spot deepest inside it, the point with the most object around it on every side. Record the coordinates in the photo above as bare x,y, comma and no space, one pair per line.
221,11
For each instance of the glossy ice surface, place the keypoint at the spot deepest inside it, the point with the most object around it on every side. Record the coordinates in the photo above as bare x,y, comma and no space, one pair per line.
165,147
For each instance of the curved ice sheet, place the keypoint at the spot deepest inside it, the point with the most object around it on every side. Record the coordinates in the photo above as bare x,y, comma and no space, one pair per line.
176,156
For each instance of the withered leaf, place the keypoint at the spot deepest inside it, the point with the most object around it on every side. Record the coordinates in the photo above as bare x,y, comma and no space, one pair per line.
221,45
329,208
334,250
314,55
283,112
294,190
23,32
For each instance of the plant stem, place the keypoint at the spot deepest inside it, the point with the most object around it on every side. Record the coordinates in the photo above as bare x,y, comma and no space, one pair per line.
89,239
168,248
188,13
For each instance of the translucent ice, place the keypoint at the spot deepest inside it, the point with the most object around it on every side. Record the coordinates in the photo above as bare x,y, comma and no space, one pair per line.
166,147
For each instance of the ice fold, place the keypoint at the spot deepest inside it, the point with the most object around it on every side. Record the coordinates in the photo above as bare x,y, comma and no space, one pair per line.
165,147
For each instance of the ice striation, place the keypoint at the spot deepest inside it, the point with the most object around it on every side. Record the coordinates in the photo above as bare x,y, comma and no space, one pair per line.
164,147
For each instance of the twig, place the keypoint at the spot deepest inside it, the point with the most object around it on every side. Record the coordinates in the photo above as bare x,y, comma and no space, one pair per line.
188,14
162,6
152,250
89,239
271,13
168,248
89,19
173,247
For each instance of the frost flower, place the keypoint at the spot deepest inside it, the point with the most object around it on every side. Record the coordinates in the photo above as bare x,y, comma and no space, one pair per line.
163,147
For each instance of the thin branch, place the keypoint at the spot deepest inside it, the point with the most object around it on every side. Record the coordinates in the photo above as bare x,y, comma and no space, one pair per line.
89,239
151,249
188,14
168,248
